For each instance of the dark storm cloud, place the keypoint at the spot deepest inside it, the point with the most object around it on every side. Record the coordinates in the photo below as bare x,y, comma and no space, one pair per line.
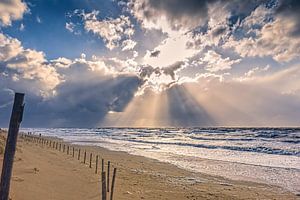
191,13
178,8
76,104
290,9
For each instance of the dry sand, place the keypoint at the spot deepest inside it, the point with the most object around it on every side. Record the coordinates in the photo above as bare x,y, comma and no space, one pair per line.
44,173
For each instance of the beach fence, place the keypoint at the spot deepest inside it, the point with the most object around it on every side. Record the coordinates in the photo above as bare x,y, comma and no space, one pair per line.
51,143
107,182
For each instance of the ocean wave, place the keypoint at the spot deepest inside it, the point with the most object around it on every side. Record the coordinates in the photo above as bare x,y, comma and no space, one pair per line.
258,149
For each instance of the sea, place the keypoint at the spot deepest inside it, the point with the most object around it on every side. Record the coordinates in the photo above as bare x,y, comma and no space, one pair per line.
264,155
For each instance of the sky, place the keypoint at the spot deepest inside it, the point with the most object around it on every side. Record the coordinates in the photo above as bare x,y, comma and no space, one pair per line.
151,63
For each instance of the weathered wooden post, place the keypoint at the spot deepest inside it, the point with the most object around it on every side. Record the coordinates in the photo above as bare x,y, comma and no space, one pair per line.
78,154
73,153
11,142
91,157
113,184
84,158
108,169
96,168
68,150
64,148
103,178
59,146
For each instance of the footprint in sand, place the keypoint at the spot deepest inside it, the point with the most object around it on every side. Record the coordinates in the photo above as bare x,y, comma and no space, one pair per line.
17,179
35,170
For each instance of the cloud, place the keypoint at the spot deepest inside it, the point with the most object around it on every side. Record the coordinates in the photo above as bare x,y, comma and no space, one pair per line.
170,14
128,44
213,62
112,31
260,101
254,72
267,37
154,53
38,19
80,103
84,98
9,47
22,27
198,56
172,50
26,69
212,101
172,69
291,10
251,28
11,10
70,26
62,92
158,79
187,15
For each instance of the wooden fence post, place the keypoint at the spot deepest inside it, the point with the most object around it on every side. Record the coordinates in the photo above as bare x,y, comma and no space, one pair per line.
11,142
108,169
103,178
113,184
96,168
91,157
84,158
73,152
78,154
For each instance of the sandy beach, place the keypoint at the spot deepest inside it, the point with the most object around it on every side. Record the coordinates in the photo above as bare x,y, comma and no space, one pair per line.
41,172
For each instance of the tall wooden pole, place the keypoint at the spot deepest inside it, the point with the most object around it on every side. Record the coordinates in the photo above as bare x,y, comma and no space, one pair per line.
11,142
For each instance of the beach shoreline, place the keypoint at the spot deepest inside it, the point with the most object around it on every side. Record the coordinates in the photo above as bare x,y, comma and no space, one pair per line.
41,171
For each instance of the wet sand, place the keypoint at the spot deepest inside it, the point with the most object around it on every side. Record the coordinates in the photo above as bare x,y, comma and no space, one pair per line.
41,172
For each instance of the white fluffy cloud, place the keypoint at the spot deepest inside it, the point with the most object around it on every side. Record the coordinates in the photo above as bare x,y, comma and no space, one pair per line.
128,44
26,69
11,10
214,62
9,47
112,31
